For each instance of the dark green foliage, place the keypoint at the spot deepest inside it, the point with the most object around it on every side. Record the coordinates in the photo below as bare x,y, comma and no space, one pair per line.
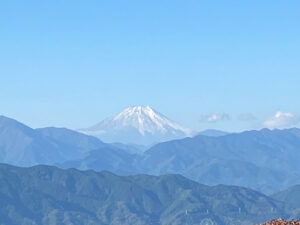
48,195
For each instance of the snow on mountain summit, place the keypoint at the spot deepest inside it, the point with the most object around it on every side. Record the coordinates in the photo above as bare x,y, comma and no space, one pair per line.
146,119
138,125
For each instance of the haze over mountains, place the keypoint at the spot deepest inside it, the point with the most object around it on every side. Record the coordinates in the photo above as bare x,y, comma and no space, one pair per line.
24,146
265,160
218,147
212,133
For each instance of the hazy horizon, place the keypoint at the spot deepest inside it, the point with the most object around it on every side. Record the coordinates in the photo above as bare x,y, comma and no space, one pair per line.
194,131
227,66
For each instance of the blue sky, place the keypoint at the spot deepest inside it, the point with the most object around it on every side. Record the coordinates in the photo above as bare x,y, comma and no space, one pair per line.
230,65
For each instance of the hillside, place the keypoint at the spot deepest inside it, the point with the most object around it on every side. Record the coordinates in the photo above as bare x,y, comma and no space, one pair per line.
265,160
48,195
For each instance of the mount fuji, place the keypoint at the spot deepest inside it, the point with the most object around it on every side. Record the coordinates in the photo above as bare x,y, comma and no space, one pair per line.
138,125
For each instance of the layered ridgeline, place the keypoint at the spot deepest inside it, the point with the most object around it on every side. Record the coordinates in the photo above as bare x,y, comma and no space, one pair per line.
139,125
263,160
267,161
24,146
48,195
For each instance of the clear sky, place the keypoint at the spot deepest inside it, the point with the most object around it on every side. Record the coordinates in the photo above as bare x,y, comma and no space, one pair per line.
230,65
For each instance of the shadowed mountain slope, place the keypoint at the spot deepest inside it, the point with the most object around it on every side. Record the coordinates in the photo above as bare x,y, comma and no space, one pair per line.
263,160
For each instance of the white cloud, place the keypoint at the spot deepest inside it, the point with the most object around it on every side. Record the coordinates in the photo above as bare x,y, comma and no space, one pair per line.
214,117
282,120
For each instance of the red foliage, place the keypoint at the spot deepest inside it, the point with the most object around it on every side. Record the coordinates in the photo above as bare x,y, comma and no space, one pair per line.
282,222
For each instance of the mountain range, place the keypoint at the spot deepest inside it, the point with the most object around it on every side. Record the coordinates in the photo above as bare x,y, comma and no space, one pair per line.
265,160
24,146
44,195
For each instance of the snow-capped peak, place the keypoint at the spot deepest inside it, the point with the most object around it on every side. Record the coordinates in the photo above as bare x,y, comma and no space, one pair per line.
145,119
137,122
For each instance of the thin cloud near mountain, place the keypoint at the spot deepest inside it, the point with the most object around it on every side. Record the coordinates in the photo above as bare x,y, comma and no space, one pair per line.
282,120
215,117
